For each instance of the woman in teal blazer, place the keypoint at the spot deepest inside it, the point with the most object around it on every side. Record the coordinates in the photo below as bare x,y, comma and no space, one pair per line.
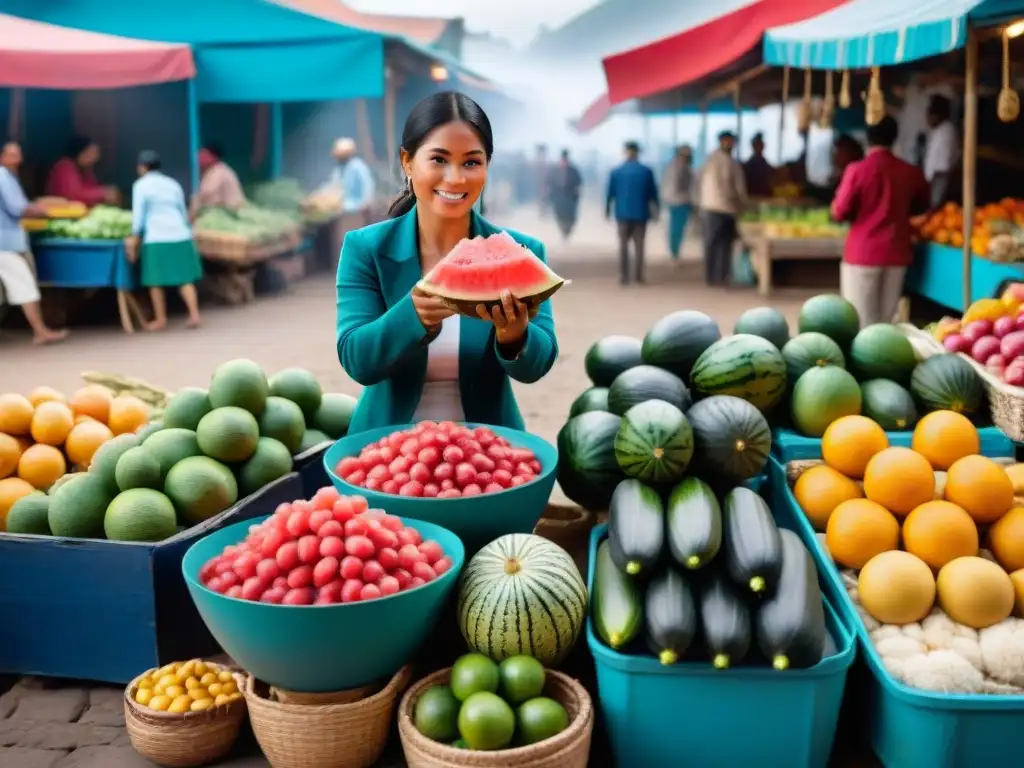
415,357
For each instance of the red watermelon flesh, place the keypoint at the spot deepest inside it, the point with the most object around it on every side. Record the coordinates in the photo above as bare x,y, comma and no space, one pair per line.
477,271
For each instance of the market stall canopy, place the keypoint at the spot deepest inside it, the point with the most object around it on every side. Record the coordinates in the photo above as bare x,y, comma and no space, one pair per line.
38,55
602,109
245,50
709,41
425,30
879,33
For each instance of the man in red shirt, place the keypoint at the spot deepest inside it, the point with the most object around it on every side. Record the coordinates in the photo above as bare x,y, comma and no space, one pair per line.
877,196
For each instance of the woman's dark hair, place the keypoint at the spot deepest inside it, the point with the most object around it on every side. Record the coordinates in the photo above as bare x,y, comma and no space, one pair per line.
215,149
883,133
77,145
428,115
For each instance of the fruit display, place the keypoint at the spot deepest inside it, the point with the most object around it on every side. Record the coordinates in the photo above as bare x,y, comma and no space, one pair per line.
991,332
477,270
490,706
794,222
997,232
55,208
104,222
328,550
187,686
287,196
440,460
251,223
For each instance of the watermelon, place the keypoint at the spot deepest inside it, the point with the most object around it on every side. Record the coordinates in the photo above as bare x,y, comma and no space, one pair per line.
610,356
831,315
593,399
765,322
677,340
744,366
522,594
807,350
478,270
645,382
889,404
587,469
654,442
823,395
947,383
880,351
731,438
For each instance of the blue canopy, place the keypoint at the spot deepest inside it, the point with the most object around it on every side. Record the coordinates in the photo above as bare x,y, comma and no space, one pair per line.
877,33
245,50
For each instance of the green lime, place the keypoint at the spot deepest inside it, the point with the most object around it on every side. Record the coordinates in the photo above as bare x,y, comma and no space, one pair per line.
541,718
472,673
460,744
436,714
522,678
486,721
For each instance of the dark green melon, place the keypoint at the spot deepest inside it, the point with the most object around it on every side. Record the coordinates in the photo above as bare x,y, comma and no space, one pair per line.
587,469
654,442
743,366
677,340
831,315
947,383
808,350
880,351
823,395
766,322
732,439
593,399
610,356
888,404
643,383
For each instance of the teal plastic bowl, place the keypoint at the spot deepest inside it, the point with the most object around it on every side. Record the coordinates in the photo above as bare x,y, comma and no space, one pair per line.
321,648
477,520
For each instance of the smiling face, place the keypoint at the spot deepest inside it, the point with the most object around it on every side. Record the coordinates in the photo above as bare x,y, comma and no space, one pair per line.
448,171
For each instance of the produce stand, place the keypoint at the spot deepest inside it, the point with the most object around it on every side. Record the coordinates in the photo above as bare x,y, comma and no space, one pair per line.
236,259
937,274
765,250
788,445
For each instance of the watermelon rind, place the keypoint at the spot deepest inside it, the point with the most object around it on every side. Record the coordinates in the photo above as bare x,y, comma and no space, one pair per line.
645,382
831,315
587,469
610,356
766,322
807,350
947,383
678,339
823,395
744,366
888,404
881,351
732,439
593,399
654,442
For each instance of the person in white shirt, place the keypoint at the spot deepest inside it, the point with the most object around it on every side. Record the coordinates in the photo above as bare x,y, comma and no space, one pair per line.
942,149
913,115
723,196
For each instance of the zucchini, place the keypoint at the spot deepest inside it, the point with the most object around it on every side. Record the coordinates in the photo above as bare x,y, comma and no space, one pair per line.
753,552
726,621
693,524
616,604
636,527
670,616
791,624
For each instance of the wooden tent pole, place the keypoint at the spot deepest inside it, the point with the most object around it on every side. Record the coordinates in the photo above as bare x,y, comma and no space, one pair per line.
970,156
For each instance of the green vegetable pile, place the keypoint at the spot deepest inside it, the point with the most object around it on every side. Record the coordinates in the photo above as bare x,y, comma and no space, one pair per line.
256,224
287,196
104,222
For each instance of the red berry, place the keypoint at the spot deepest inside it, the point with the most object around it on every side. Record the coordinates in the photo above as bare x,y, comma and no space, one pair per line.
350,590
252,588
229,579
326,571
318,517
416,581
429,456
452,455
493,488
449,493
351,567
267,570
409,447
235,592
388,558
357,526
331,591
325,497
481,462
518,480
504,464
502,477
444,471
301,577
392,523
288,556
342,510
535,466
430,490
443,565
281,582
388,453
371,484
332,546
431,550
331,528
359,504
347,465
357,478
372,572
309,549
298,523
483,478
411,488
400,464
360,546
472,490
379,472
299,596
382,537
273,595
370,459
389,487
388,585
465,474
423,571
245,565
402,576
271,543
410,536
369,592
409,555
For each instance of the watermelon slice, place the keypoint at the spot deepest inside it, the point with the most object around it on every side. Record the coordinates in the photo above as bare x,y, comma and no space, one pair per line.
478,270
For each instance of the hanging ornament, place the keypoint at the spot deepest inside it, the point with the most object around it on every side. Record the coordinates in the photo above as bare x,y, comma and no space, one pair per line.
803,114
828,105
875,107
1008,104
844,90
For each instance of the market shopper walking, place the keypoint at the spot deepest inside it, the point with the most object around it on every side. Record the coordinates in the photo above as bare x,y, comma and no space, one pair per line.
353,181
162,241
563,185
877,196
633,198
677,195
415,357
722,198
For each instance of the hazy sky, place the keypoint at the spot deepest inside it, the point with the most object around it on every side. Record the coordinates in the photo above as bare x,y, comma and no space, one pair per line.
516,20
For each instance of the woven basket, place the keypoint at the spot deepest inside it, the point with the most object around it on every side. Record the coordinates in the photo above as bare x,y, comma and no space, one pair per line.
568,749
568,526
1005,402
182,740
924,344
336,735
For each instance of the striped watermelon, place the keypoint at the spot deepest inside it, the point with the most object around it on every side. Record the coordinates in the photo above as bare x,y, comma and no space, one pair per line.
744,366
522,594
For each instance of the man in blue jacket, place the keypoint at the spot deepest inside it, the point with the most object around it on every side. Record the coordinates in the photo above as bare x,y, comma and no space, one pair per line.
633,194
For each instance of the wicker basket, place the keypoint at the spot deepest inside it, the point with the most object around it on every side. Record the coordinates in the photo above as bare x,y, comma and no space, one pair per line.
568,749
568,526
1005,402
335,735
925,345
182,740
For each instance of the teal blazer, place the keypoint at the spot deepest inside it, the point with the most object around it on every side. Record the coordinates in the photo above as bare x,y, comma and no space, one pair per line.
383,345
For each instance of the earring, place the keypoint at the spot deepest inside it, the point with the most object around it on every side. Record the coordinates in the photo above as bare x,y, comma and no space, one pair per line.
408,183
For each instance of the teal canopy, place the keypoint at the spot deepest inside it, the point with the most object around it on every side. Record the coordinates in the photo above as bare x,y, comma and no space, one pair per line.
878,33
245,50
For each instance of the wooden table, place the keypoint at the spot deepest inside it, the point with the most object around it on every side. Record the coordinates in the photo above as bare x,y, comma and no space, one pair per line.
765,250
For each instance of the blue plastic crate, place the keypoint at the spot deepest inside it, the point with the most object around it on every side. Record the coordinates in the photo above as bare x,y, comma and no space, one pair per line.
106,610
68,263
907,727
788,445
310,466
692,714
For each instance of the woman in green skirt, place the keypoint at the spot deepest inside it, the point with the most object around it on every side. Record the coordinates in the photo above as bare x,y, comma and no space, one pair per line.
162,237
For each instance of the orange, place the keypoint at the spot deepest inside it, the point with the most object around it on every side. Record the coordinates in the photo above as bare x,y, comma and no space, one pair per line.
820,490
858,530
10,452
981,487
52,422
942,437
84,440
850,442
127,414
938,532
44,394
93,401
899,479
11,489
41,466
15,414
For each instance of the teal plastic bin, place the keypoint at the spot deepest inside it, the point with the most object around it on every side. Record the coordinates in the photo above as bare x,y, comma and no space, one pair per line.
907,727
691,714
788,445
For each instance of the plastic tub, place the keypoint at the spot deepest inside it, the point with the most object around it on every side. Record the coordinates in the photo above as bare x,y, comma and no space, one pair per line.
789,446
477,520
693,714
908,727
322,647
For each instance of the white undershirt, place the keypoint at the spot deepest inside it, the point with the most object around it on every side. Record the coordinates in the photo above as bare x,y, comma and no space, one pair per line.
941,150
441,399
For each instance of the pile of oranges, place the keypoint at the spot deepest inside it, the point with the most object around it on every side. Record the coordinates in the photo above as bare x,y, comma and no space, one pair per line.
46,435
945,225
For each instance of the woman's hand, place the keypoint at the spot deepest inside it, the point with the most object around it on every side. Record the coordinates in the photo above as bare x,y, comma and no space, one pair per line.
131,248
430,309
510,318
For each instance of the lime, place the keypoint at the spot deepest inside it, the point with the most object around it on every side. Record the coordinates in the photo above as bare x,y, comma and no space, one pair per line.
460,744
541,718
472,673
486,721
522,678
436,713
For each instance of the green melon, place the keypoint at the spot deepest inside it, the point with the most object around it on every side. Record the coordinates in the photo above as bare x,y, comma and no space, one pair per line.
186,408
807,350
744,366
888,404
678,339
880,351
311,439
646,382
522,594
272,460
732,439
169,446
766,322
240,383
593,399
148,429
138,468
587,469
831,315
610,356
200,488
948,383
301,387
228,434
654,442
104,461
283,420
140,514
30,514
77,508
823,395
334,414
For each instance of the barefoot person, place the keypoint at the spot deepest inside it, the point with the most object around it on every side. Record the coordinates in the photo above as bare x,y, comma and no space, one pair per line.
414,356
162,239
20,289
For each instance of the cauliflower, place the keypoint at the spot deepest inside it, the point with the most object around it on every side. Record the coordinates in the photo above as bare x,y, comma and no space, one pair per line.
939,630
1002,651
942,671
